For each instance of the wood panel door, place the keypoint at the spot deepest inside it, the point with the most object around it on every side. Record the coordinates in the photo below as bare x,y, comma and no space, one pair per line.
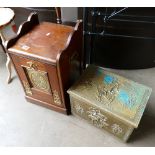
39,80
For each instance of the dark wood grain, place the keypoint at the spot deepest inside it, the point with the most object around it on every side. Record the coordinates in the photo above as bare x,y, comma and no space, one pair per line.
45,40
70,61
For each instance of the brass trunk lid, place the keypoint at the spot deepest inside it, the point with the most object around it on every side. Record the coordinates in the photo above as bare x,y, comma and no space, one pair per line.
118,96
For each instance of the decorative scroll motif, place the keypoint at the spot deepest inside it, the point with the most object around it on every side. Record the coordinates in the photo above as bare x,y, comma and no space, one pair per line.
97,118
116,129
56,98
38,79
27,88
79,109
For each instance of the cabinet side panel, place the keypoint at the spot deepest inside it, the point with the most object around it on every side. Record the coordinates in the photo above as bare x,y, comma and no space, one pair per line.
70,64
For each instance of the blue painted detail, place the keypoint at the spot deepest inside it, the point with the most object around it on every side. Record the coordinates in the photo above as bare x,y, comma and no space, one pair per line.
124,97
108,79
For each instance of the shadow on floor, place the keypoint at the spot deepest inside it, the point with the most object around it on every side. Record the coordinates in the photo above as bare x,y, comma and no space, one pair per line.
146,129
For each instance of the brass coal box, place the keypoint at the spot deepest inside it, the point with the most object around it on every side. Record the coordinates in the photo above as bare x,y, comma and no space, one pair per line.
109,101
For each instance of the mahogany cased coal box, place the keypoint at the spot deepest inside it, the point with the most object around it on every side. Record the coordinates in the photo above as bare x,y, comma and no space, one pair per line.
109,101
48,59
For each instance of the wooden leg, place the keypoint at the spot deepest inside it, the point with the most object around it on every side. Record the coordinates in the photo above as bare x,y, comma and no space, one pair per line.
8,66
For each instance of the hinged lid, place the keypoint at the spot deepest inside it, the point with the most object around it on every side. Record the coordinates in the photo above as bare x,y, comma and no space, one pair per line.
44,41
114,94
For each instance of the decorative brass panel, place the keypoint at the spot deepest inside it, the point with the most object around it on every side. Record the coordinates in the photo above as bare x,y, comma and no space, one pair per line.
56,98
32,65
100,119
27,88
38,79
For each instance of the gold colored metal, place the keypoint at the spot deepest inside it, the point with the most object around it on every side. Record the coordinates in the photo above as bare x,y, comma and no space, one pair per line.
56,98
79,109
97,118
27,88
109,101
100,119
122,97
32,65
38,79
109,92
116,129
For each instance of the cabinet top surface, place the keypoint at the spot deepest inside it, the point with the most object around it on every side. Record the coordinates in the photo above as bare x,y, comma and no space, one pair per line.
115,94
45,40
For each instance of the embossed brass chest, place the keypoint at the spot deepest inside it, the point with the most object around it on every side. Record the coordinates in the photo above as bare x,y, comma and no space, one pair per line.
48,59
109,101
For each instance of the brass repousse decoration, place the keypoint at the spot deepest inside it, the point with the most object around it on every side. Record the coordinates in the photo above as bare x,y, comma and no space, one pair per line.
27,88
118,95
116,129
79,109
56,98
109,101
100,119
108,92
97,118
38,79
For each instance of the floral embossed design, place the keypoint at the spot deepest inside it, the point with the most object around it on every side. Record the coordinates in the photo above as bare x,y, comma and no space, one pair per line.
116,129
97,118
79,109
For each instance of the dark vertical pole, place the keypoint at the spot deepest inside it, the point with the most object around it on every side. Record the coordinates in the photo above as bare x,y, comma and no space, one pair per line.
93,29
85,14
58,14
